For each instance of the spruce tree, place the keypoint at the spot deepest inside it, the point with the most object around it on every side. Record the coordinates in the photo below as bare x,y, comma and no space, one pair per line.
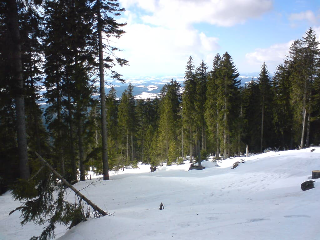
304,56
265,103
188,106
227,103
211,110
199,102
169,122
282,108
127,123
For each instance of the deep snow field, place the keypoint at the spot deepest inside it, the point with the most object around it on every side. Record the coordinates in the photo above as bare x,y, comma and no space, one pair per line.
260,199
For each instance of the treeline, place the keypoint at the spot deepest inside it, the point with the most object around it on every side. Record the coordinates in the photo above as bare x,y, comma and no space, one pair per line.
214,114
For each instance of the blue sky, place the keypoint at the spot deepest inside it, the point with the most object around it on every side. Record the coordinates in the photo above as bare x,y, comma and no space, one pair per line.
162,34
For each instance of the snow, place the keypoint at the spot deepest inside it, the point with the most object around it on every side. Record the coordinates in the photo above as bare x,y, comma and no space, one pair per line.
146,95
260,199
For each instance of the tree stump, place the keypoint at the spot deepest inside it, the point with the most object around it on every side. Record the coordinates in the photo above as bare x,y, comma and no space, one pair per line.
196,167
307,185
315,174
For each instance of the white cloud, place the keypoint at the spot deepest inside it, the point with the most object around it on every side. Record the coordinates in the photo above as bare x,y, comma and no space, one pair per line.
218,12
272,56
307,15
160,39
160,50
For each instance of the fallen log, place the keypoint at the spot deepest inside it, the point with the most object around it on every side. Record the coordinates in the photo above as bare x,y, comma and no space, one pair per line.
95,207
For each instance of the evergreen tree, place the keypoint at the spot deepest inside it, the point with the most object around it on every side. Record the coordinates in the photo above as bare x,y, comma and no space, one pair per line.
199,102
211,110
282,109
266,108
127,121
105,24
188,106
147,112
169,122
304,55
252,116
227,103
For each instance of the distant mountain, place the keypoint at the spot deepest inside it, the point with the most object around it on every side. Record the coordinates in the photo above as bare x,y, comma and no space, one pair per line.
150,87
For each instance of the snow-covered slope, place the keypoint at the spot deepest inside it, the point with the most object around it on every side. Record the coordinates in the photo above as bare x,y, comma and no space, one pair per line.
260,199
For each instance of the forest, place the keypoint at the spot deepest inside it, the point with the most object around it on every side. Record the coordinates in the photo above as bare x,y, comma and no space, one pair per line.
57,52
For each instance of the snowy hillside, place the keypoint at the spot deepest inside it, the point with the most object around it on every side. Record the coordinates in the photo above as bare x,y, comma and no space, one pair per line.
260,199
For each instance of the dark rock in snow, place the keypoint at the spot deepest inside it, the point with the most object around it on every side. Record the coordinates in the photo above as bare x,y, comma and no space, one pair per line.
236,164
196,167
307,185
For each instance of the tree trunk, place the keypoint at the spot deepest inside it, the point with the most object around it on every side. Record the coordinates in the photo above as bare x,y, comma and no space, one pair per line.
303,128
13,26
262,122
182,150
308,132
127,161
73,160
217,138
61,159
190,145
95,207
81,155
132,150
225,130
102,99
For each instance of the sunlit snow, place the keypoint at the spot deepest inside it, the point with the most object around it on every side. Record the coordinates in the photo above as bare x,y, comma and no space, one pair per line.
260,199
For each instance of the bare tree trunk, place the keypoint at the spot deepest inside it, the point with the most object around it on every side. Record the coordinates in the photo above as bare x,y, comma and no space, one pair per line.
127,162
190,146
182,150
132,150
303,128
73,160
81,155
102,99
60,157
262,122
13,26
225,130
217,138
308,132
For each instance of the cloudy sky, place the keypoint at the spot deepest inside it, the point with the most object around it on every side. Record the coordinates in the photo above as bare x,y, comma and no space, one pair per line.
162,34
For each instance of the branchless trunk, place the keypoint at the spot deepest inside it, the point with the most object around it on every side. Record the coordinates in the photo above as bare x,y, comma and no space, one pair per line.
304,112
81,152
217,137
13,26
262,122
102,98
73,160
132,150
127,161
190,145
225,130
182,150
61,159
308,132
